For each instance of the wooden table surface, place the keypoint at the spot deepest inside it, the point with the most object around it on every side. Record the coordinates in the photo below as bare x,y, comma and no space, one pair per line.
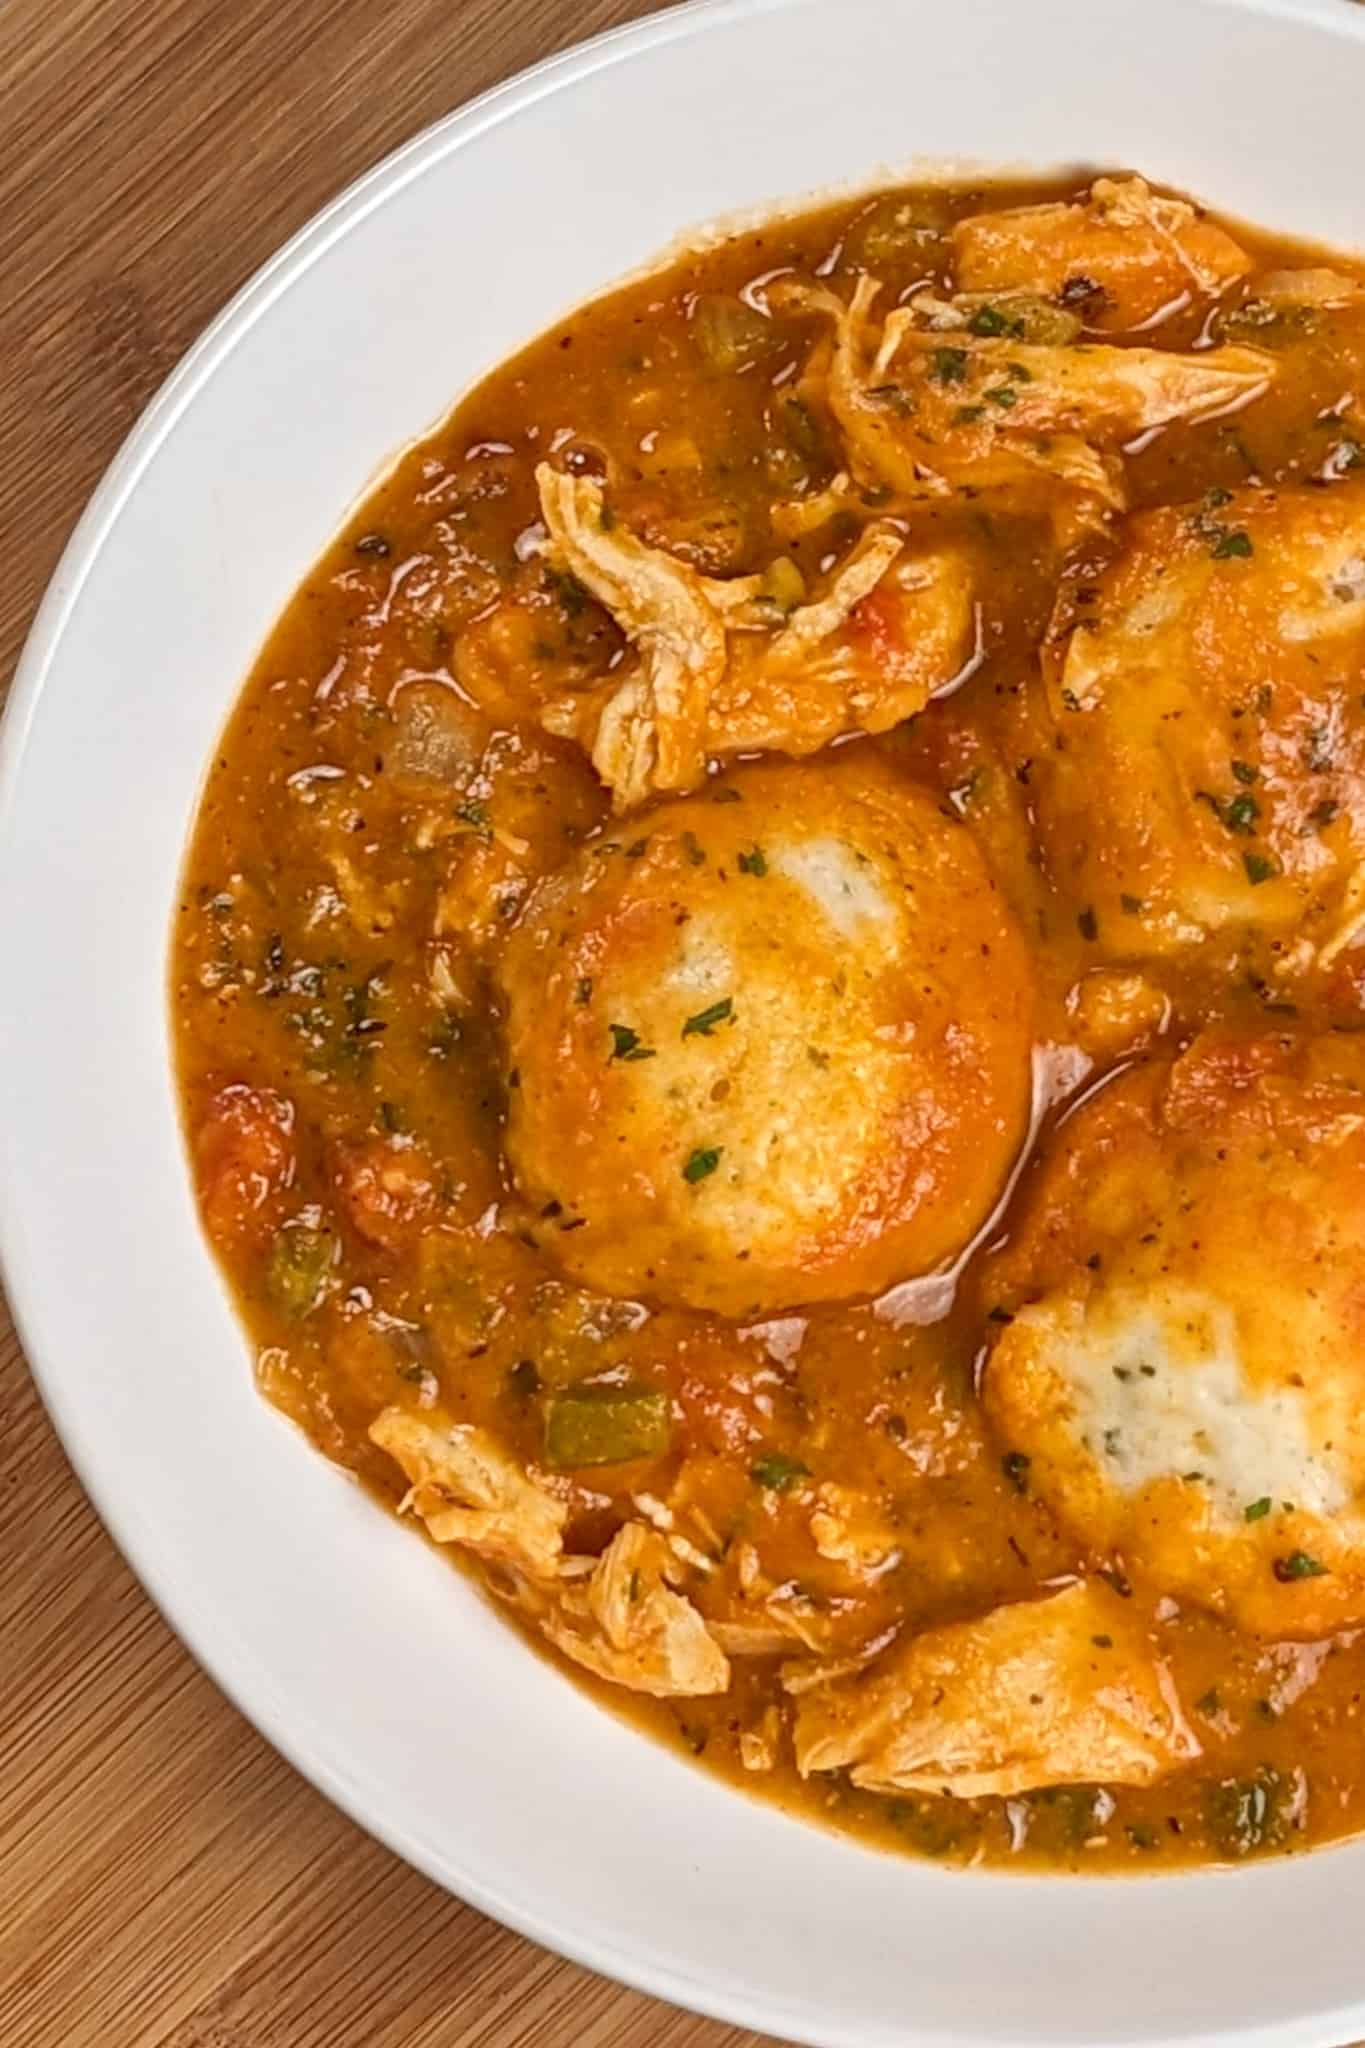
165,1880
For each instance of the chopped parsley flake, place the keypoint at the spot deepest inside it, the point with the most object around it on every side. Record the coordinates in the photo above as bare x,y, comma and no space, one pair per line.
753,863
702,1163
1003,395
1240,814
705,1021
990,320
777,1472
1244,772
625,1044
1298,1565
1257,1508
1232,543
1258,868
949,365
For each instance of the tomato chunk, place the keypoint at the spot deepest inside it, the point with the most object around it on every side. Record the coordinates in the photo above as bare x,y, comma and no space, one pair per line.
244,1157
386,1190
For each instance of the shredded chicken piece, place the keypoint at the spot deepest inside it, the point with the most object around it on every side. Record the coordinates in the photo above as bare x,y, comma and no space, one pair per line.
629,1626
1140,255
371,906
1057,1691
1010,418
1349,920
758,1746
617,1615
719,672
849,1531
468,1491
751,1638
803,1676
1316,287
793,518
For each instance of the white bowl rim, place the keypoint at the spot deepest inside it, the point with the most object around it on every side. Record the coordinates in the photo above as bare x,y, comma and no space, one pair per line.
683,20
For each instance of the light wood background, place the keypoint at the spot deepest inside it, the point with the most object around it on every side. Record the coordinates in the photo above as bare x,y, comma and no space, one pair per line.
165,1880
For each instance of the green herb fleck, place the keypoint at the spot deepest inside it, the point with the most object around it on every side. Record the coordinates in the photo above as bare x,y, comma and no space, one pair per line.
1258,868
777,1472
949,365
1244,772
1233,543
1247,1814
1003,395
1255,1509
705,1021
625,1044
754,863
1298,1565
702,1163
988,320
1240,814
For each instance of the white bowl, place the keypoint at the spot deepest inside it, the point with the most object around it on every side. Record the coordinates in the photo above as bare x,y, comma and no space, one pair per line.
354,1648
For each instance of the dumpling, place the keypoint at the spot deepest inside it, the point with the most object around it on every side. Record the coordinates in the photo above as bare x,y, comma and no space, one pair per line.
723,667
1199,765
1059,1691
1179,1356
769,1044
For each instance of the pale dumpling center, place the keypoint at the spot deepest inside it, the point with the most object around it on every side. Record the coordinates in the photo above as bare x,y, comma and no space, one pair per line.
842,884
1161,1391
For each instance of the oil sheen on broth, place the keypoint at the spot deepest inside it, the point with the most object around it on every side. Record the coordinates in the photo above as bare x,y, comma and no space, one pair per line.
768,1007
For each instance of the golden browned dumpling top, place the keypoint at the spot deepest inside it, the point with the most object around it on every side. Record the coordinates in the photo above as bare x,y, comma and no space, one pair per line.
1200,771
1183,1377
769,1044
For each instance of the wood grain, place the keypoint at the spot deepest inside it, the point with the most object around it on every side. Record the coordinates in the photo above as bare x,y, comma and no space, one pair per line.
165,1880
